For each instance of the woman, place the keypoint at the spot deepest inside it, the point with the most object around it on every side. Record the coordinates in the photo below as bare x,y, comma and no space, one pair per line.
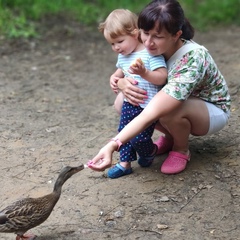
194,101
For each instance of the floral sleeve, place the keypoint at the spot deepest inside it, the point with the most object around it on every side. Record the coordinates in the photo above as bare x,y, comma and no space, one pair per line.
196,74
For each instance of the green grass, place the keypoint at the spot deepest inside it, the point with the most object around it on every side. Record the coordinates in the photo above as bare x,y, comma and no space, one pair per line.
18,18
205,14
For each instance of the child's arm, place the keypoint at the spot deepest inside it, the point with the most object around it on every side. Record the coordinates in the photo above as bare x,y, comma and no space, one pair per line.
157,77
114,79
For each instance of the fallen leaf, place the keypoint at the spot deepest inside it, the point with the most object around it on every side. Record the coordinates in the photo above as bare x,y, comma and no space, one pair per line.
162,226
164,199
194,190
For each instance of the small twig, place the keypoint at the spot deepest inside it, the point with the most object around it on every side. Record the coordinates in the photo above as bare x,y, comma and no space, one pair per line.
22,179
8,168
148,230
230,230
183,206
105,214
26,170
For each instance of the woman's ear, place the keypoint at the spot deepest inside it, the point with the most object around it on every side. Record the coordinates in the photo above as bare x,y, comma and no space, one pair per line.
177,35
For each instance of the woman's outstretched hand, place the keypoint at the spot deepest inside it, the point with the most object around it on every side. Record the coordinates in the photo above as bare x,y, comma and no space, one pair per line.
131,91
103,159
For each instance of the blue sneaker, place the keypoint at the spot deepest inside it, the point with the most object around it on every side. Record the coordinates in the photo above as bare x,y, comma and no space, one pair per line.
118,171
147,161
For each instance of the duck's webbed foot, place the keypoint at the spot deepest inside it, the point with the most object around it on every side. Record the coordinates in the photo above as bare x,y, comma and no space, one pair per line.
27,236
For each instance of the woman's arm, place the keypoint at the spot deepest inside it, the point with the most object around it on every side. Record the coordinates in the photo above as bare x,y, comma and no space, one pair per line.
159,106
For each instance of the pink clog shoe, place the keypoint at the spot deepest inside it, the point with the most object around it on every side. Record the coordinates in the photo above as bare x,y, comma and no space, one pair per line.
164,145
175,163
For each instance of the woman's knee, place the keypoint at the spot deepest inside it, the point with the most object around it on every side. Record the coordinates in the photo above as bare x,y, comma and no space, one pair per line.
169,119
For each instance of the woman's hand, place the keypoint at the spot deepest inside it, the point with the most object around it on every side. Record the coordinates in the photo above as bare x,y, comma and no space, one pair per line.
103,159
133,93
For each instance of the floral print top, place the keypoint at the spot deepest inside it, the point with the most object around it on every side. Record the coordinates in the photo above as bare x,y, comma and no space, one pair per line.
196,74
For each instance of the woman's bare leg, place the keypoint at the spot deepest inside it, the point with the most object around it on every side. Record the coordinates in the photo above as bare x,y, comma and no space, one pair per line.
191,118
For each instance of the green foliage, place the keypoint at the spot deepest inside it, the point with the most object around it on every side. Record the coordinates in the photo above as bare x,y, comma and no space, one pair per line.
95,11
18,17
15,26
205,14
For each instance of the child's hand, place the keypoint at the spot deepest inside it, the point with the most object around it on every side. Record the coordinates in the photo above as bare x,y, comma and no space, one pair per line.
137,67
113,83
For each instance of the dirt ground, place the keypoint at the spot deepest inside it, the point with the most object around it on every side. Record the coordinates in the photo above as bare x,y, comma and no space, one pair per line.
56,110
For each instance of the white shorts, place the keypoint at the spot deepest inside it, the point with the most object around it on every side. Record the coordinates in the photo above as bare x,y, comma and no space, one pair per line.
218,118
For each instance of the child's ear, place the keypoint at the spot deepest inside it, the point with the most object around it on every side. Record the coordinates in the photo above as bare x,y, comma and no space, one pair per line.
136,32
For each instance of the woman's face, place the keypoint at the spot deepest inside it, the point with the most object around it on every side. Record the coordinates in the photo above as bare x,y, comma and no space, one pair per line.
158,43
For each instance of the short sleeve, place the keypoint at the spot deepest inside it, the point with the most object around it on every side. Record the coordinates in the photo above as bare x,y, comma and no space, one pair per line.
156,62
184,75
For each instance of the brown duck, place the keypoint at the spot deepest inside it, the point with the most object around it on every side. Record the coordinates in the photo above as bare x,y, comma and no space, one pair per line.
28,213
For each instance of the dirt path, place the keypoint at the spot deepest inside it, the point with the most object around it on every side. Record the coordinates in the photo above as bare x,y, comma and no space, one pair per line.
56,110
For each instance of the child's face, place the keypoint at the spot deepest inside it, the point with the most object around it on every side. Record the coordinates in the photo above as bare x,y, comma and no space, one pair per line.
124,44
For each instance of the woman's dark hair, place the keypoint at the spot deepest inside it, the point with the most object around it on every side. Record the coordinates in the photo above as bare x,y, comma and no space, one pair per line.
166,14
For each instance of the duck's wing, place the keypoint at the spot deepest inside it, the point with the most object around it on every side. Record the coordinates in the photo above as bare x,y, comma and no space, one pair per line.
26,213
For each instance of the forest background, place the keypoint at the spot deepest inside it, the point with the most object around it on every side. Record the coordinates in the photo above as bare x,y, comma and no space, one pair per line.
22,18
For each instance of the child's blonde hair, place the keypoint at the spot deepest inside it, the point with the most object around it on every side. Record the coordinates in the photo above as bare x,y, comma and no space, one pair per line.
118,23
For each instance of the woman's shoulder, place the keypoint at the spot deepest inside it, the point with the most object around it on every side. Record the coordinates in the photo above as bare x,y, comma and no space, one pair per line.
189,48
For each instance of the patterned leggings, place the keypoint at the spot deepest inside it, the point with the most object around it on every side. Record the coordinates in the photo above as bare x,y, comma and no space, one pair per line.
142,144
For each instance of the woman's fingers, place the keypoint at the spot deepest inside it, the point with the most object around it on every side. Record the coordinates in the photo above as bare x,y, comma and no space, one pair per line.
131,80
96,162
133,93
98,166
133,100
103,159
